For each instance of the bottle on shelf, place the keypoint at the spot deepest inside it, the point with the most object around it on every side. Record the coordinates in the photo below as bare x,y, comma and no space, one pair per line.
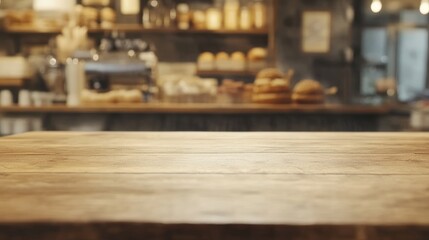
214,18
231,10
153,14
128,11
260,15
246,18
183,16
170,14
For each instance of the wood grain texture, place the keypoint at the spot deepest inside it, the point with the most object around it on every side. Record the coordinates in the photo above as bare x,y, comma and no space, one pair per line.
11,82
214,186
201,108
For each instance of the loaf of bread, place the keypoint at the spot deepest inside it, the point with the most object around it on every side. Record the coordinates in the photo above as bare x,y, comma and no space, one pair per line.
271,87
308,91
206,61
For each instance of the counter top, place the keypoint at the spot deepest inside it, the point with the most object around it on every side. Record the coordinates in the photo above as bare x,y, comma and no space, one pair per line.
203,108
151,185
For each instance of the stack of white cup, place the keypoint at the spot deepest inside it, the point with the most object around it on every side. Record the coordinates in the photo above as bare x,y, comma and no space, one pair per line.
19,124
6,98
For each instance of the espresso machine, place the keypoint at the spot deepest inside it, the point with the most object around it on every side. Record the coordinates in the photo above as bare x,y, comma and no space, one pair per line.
121,63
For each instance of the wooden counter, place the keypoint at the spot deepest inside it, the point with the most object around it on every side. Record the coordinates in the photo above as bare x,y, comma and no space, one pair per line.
203,108
307,186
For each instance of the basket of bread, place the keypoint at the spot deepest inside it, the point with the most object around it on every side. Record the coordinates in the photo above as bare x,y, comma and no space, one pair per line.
272,86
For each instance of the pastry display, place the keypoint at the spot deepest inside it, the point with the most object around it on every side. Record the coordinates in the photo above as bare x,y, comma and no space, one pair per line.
115,96
189,89
272,87
308,91
255,60
231,91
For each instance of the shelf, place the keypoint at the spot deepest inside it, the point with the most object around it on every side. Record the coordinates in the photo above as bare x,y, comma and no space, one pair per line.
132,28
11,82
227,73
203,108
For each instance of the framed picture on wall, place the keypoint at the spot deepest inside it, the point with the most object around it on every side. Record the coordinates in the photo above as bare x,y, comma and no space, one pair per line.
316,31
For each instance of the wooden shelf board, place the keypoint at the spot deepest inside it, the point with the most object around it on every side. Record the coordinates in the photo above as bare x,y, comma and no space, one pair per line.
226,73
28,29
203,108
11,82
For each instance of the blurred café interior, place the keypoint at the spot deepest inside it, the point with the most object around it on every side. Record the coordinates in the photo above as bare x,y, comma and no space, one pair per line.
214,65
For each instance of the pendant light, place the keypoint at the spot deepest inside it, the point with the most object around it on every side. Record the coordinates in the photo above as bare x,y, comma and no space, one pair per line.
424,7
376,6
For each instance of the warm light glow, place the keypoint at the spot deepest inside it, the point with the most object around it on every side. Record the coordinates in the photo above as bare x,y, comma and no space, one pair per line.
424,7
376,6
57,5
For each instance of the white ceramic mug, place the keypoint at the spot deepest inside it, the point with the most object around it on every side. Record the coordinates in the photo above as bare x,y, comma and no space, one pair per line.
6,126
37,99
6,98
24,99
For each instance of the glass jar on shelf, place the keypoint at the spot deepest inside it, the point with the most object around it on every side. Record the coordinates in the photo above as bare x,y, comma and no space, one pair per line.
260,16
184,16
231,10
214,18
170,14
153,14
246,18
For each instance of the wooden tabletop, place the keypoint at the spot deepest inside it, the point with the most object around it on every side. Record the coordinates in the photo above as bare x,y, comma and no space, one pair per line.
359,186
204,108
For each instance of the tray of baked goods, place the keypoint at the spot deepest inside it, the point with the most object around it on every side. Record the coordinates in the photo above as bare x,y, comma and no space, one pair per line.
275,87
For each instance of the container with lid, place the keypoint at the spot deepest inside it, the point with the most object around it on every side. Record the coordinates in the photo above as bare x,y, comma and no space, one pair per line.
214,19
260,14
231,13
183,16
199,19
246,18
153,14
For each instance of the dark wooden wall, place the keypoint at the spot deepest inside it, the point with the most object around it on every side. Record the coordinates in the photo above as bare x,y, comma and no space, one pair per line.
330,68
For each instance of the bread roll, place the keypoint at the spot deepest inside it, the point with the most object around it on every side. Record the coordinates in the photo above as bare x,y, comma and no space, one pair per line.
108,14
238,61
238,56
262,82
222,56
270,73
308,91
206,57
265,85
223,61
309,87
206,61
279,82
257,54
